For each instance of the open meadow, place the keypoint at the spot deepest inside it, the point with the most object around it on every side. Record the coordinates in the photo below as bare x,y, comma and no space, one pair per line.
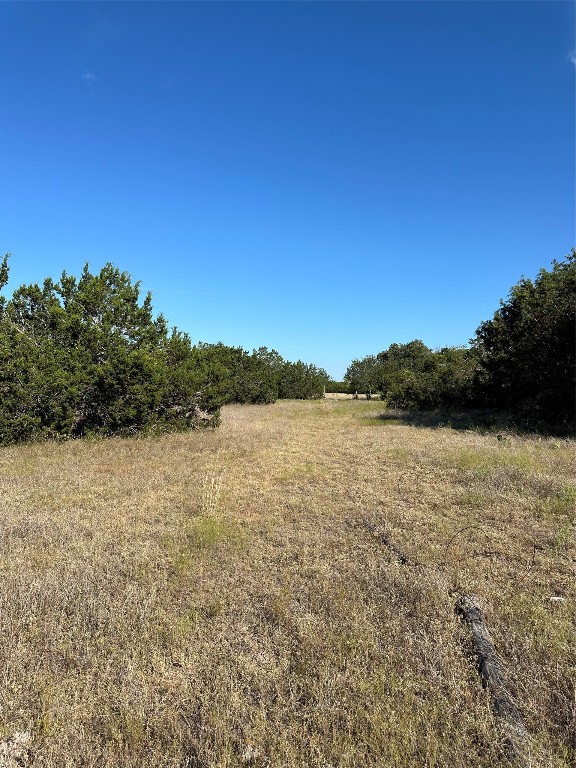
223,597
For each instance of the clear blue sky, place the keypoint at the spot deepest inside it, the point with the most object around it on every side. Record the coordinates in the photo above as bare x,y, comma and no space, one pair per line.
324,178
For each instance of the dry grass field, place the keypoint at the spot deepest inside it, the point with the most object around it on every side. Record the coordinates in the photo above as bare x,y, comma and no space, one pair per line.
218,598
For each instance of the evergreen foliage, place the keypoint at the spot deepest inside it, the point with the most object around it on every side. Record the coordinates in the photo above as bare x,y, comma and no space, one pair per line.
527,351
87,356
264,376
301,381
341,387
413,376
522,361
363,375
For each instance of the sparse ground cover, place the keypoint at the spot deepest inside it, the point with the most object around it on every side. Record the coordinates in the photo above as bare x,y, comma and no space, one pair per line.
217,598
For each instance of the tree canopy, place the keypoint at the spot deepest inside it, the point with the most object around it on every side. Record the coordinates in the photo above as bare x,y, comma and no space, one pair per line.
527,350
87,356
413,376
521,361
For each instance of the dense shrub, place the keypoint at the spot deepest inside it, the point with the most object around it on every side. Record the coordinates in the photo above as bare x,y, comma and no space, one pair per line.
527,351
301,381
522,361
86,356
263,376
413,376
363,375
243,377
339,387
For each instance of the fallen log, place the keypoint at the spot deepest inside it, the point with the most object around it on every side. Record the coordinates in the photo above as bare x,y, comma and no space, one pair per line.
516,739
491,672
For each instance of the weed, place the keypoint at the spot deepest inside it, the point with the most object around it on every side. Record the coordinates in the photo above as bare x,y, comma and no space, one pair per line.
563,502
208,531
211,491
398,455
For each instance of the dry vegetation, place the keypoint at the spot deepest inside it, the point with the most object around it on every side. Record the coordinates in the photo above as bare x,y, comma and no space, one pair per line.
217,599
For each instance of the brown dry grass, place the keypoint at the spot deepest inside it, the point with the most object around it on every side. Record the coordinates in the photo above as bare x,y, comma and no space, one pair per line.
216,599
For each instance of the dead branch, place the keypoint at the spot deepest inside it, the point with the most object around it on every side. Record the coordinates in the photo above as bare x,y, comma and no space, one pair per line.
492,675
385,539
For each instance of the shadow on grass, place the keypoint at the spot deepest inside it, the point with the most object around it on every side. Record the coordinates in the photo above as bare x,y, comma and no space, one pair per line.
484,421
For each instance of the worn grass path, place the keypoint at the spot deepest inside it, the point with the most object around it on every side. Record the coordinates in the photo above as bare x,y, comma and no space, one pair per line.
217,599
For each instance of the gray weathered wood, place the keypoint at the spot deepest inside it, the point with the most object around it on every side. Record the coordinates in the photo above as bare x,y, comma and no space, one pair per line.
515,735
492,675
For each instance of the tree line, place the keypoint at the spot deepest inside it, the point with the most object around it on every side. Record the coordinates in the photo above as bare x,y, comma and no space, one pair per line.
86,355
522,361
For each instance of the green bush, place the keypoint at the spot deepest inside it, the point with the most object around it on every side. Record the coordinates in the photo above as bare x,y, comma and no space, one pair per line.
526,352
86,356
301,381
522,361
263,376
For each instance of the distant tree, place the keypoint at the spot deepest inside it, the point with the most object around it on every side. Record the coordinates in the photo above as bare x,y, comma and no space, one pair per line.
301,381
407,375
263,376
522,361
363,375
338,386
414,376
455,375
242,377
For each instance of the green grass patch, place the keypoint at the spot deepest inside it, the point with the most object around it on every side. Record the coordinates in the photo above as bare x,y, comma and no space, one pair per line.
199,535
483,463
558,505
473,500
398,455
563,502
548,627
208,531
